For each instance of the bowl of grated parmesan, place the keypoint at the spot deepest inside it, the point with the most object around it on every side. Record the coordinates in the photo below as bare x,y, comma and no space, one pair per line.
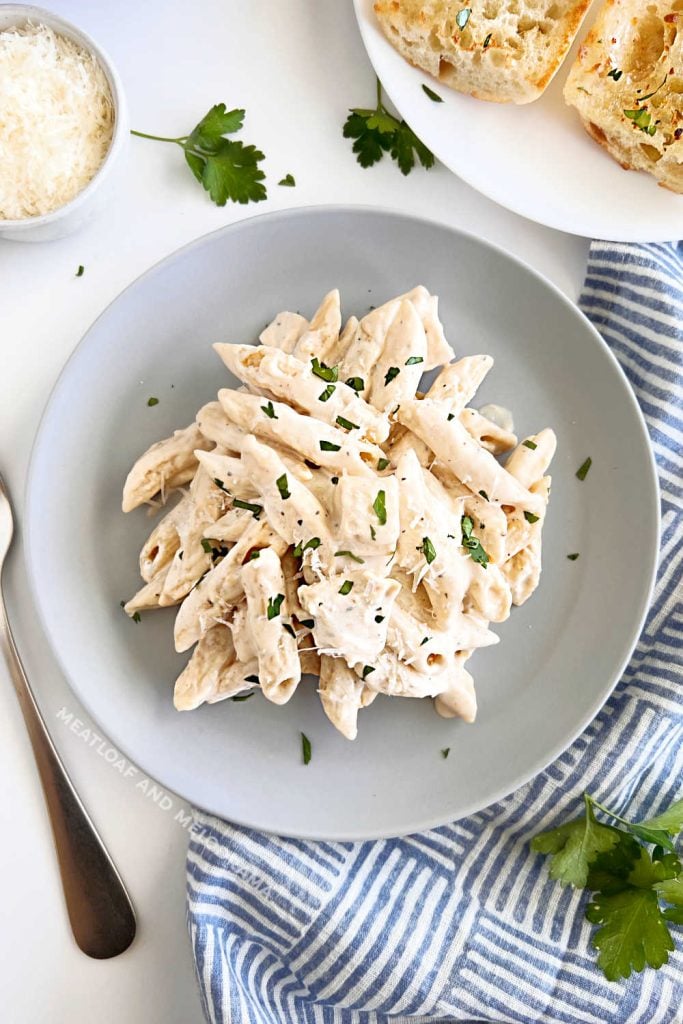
63,124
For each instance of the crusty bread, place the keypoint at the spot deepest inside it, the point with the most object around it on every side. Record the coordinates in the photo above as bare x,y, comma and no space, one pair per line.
635,49
502,50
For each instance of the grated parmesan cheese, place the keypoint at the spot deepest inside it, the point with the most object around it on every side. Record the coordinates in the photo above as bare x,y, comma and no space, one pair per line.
56,120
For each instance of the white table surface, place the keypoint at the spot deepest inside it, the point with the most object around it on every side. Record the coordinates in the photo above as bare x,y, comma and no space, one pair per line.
295,67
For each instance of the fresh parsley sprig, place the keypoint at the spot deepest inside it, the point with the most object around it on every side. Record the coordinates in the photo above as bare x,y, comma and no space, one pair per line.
637,892
376,132
225,167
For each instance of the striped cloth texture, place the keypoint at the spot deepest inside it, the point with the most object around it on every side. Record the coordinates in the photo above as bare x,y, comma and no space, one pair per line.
462,923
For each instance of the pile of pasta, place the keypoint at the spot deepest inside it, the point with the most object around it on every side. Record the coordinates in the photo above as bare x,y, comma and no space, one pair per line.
338,522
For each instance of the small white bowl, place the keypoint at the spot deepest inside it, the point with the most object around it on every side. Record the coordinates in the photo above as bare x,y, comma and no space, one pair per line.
68,218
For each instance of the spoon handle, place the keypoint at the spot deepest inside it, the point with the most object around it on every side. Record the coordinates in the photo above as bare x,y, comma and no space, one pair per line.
100,911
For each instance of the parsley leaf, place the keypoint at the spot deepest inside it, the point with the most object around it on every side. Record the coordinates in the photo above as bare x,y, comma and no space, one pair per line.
244,696
367,669
428,550
269,410
328,446
582,471
530,444
287,181
328,373
346,587
80,271
434,96
350,554
327,393
376,132
530,517
642,119
574,845
473,544
633,931
413,360
615,73
282,486
152,401
357,383
382,464
274,605
380,508
255,510
226,168
445,752
305,748
573,556
391,373
346,424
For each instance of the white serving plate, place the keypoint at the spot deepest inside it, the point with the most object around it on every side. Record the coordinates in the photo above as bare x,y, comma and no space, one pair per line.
559,655
534,159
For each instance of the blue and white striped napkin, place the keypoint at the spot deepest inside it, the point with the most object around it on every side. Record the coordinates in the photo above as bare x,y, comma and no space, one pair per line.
462,923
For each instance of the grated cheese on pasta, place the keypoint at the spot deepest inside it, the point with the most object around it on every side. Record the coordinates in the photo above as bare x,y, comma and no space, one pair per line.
56,120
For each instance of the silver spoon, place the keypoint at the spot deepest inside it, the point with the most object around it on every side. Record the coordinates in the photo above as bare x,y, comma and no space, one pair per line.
100,911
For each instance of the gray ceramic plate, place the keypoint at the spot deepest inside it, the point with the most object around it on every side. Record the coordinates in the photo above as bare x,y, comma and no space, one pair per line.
559,655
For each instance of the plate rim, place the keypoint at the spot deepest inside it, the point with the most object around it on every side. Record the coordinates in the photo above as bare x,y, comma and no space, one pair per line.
31,523
506,203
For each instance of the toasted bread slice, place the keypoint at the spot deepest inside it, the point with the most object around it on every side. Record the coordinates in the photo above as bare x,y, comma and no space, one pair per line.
506,51
627,85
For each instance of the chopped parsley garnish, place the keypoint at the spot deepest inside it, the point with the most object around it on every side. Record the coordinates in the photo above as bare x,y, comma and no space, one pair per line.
274,605
249,506
473,544
305,748
445,752
256,553
424,640
641,99
462,17
530,444
219,483
325,395
641,119
289,628
346,424
152,401
282,487
573,556
207,545
346,587
244,696
582,471
226,168
530,517
328,373
328,446
379,618
251,679
334,480
391,374
376,132
487,40
350,554
414,360
269,410
382,464
136,617
310,545
373,532
434,96
451,416
615,73
379,505
367,669
428,550
484,495
357,383
308,623
80,271
288,181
